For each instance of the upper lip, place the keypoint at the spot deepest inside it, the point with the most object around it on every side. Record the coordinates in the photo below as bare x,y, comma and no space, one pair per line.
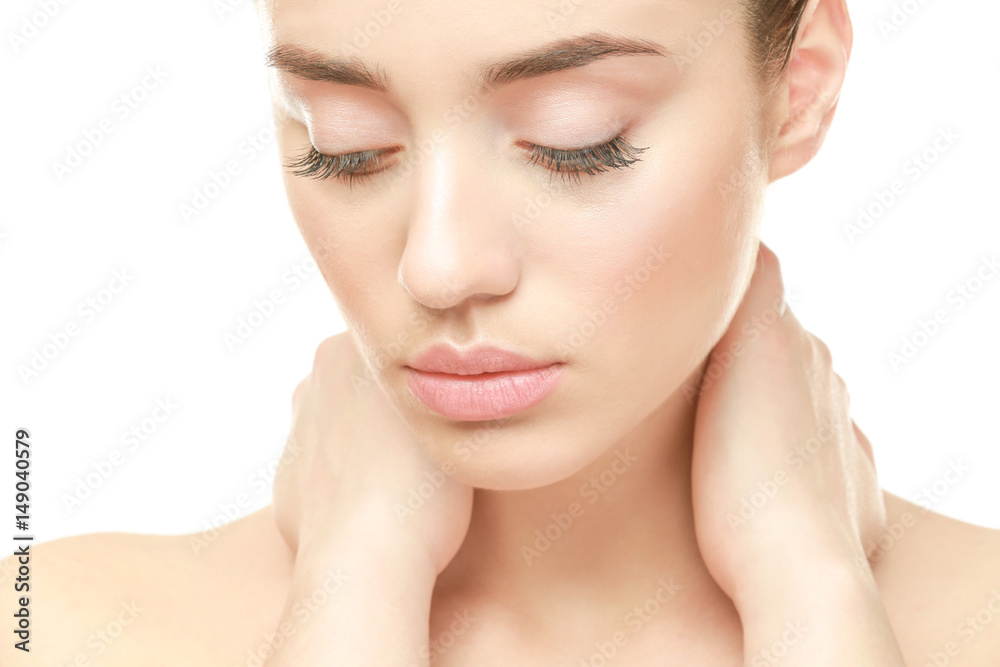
444,358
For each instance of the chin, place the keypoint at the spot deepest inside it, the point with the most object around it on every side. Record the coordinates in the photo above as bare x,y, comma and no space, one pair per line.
512,456
542,445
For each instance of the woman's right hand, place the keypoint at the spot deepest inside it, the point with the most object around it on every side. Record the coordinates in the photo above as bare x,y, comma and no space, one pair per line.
364,574
350,464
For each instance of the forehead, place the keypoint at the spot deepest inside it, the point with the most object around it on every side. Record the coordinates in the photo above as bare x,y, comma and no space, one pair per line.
434,43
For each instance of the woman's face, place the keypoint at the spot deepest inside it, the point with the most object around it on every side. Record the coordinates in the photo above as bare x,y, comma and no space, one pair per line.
627,276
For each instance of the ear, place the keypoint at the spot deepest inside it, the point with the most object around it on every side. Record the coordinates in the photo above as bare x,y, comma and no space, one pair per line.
810,86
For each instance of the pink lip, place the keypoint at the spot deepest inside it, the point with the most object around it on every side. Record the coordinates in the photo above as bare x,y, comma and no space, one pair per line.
481,383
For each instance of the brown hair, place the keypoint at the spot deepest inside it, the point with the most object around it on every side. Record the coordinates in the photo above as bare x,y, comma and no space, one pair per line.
772,25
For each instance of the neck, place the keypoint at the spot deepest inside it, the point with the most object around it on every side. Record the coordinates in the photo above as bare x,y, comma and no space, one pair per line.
611,535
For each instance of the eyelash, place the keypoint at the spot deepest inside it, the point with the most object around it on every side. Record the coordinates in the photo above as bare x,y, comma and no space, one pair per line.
569,164
353,166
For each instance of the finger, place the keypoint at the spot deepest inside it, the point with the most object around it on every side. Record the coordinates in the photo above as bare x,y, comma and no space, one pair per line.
866,445
767,288
763,303
338,367
331,352
821,351
300,389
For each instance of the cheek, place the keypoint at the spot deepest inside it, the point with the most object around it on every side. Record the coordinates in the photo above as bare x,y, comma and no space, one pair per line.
678,255
356,252
327,234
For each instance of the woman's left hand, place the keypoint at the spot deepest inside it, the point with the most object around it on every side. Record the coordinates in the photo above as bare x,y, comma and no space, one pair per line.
784,484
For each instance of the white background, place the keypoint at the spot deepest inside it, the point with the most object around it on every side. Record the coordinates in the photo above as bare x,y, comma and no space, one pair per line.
162,336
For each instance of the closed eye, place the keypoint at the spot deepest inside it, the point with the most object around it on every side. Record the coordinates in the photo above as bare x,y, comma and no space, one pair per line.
617,153
361,165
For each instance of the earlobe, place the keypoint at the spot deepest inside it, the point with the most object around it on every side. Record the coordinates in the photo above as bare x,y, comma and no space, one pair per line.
811,85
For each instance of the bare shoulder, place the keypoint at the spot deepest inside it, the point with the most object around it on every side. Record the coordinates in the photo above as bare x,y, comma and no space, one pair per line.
126,599
940,582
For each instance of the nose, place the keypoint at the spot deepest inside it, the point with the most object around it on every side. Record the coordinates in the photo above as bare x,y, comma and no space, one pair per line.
461,243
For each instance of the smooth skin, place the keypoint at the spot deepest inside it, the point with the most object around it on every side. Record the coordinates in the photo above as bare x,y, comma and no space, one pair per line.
208,599
802,561
656,568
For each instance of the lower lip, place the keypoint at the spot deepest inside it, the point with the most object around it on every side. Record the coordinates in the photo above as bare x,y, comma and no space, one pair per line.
484,396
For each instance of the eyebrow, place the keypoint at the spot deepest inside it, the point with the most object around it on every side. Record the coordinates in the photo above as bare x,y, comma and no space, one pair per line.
567,53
